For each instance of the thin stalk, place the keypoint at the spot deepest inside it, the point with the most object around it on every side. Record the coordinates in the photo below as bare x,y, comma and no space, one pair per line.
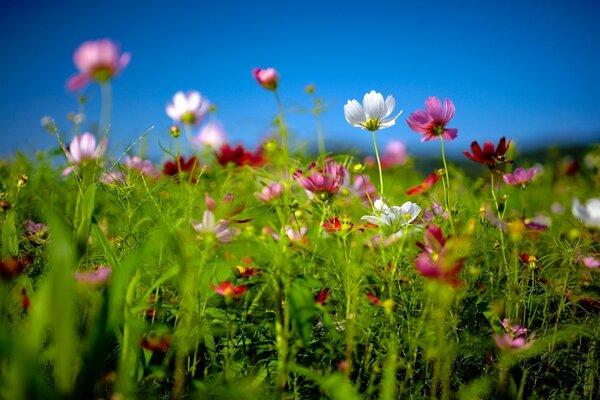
446,185
378,165
106,93
283,133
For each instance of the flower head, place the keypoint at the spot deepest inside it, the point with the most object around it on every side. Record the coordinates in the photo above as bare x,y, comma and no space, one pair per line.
98,60
373,114
229,290
240,156
432,122
426,185
83,149
266,78
270,193
589,212
188,108
393,218
442,258
323,182
488,155
212,135
222,231
394,155
98,277
514,338
190,166
520,177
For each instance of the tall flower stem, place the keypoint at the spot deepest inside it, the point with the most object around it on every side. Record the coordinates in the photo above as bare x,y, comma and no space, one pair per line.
106,93
446,183
283,133
378,164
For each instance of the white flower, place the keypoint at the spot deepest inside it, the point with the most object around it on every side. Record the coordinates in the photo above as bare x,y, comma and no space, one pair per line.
589,212
221,229
188,108
373,114
393,218
211,135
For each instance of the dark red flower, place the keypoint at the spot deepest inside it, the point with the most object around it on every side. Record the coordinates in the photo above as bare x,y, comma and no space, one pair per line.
190,167
426,185
488,155
25,302
153,341
334,225
240,156
321,298
11,267
373,299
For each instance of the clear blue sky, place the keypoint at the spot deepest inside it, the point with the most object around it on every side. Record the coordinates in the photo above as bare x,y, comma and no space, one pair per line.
524,69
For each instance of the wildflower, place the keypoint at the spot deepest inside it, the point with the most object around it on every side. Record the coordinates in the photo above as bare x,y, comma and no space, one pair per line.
188,108
489,156
529,260
334,225
11,266
426,185
394,155
135,163
240,156
373,114
174,167
441,258
97,60
436,209
515,337
266,78
393,218
590,262
229,290
293,234
589,212
520,177
153,341
82,150
324,182
270,193
432,122
373,299
221,230
98,277
321,298
211,135
361,187
33,229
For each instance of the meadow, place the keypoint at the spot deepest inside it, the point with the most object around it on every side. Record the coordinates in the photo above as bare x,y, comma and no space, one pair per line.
225,272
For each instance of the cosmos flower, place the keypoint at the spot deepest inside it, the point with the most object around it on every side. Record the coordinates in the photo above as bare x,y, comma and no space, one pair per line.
394,155
323,182
212,135
222,231
520,177
426,185
589,212
83,149
229,290
266,78
432,122
191,166
442,258
97,277
188,108
373,114
361,187
270,193
489,156
133,164
393,218
239,156
98,60
515,337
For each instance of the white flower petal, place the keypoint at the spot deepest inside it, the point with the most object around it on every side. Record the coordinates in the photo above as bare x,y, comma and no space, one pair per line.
374,105
354,113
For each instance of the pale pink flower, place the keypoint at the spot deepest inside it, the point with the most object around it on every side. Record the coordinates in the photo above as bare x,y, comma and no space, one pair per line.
266,78
432,122
293,234
520,177
98,277
98,60
361,187
591,262
212,135
188,108
222,231
83,149
270,193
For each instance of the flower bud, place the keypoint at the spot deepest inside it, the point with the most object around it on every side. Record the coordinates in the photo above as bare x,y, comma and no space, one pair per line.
175,131
267,78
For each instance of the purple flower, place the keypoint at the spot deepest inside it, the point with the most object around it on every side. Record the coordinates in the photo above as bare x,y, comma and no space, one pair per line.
221,229
324,182
520,177
98,277
440,261
432,122
270,193
515,337
590,262
33,229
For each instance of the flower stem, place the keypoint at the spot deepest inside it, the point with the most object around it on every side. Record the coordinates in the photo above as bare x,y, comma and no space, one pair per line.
378,164
446,183
283,132
106,93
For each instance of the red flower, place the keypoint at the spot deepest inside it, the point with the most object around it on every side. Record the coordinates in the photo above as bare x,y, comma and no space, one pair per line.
229,290
334,225
321,298
25,302
173,168
373,299
11,267
426,185
489,156
239,156
153,342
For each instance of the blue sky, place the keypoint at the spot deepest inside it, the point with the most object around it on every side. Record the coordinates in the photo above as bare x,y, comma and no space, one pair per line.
524,69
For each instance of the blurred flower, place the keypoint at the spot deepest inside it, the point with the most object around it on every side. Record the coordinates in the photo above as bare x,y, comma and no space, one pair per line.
25,301
97,60
589,212
221,230
174,167
188,108
590,262
436,209
323,182
441,258
373,298
11,266
297,234
153,341
529,260
515,337
239,156
393,218
135,163
520,177
33,229
557,208
432,122
321,298
361,187
98,277
488,155
212,135
394,155
373,114
266,78
229,290
270,193
334,225
426,185
83,149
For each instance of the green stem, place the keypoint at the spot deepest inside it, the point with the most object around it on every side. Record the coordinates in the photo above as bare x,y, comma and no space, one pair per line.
378,165
106,93
446,185
283,132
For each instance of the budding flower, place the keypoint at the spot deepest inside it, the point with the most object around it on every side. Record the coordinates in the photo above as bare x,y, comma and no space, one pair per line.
175,131
310,89
22,181
267,78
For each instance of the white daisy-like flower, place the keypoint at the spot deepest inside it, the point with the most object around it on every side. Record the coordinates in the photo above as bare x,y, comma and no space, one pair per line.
589,212
393,218
373,114
188,108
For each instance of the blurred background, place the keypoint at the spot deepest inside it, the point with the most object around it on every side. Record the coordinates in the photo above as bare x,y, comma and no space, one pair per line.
524,69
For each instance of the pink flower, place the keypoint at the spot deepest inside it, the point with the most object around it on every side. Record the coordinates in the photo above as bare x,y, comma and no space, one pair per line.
293,234
324,182
520,177
221,229
362,188
270,193
394,155
188,108
590,262
212,135
267,78
97,60
229,290
432,122
515,337
83,149
99,277
439,261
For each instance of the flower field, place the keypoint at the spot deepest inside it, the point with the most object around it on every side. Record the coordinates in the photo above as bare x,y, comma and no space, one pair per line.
225,272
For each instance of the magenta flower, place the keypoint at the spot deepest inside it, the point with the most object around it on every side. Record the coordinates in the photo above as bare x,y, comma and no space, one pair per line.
432,122
98,277
324,182
520,177
590,262
266,78
222,231
188,108
515,337
270,193
439,260
98,60
83,149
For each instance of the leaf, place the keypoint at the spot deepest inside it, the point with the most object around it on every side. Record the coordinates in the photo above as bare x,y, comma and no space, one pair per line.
10,240
87,210
334,385
302,310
